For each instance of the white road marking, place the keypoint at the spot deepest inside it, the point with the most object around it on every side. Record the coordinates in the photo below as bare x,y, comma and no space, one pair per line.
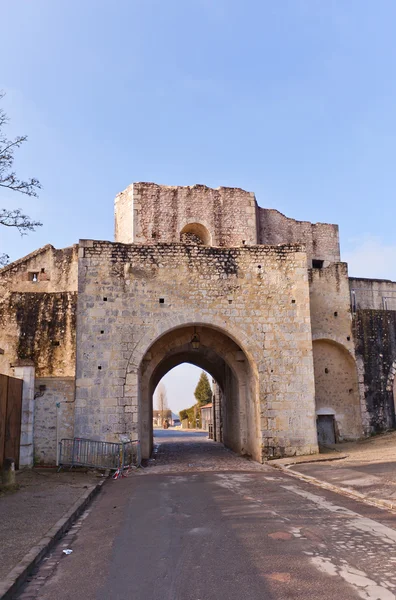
358,522
367,588
364,586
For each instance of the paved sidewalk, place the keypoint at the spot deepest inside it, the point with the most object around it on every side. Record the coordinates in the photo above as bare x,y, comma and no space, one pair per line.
43,497
367,467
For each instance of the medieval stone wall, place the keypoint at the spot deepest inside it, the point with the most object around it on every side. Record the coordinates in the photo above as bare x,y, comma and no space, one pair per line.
241,278
150,213
375,335
330,304
38,297
131,295
45,270
321,240
336,376
37,311
160,213
124,216
53,416
375,294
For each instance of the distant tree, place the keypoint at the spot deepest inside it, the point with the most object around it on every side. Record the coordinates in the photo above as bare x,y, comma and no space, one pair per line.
191,415
183,414
203,391
162,401
8,179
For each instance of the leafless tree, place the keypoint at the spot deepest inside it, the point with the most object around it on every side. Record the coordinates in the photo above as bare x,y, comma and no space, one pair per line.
161,401
9,180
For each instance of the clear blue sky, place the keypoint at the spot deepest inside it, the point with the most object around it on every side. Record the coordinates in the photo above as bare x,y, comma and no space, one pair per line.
294,100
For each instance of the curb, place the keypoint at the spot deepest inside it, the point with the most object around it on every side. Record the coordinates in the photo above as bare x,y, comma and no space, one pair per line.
377,502
18,575
307,462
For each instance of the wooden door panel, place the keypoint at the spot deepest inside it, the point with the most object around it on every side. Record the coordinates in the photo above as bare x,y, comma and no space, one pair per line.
3,412
13,420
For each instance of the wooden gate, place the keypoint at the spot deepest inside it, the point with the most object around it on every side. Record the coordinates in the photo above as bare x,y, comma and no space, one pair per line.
10,418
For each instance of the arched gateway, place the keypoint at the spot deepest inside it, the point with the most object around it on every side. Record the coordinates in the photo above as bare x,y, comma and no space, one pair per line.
139,308
215,351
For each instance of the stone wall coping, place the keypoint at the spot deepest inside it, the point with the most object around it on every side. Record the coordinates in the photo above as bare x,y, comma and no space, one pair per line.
295,247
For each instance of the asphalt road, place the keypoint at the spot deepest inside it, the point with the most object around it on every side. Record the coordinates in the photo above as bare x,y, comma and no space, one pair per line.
221,535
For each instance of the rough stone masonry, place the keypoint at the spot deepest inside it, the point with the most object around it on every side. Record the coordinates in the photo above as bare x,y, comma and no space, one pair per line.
274,317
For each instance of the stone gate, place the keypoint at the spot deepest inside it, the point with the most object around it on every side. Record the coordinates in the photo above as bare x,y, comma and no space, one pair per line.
205,276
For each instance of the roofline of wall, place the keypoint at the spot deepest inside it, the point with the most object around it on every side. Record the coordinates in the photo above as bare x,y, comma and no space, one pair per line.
217,189
33,254
371,279
296,247
296,220
186,187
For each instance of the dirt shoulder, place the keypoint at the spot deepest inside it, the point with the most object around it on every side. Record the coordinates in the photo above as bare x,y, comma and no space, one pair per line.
27,514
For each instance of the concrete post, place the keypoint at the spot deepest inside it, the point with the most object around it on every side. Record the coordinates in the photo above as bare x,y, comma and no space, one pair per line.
27,373
8,473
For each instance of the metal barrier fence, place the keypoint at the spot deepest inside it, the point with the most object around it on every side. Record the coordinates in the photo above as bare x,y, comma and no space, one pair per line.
81,452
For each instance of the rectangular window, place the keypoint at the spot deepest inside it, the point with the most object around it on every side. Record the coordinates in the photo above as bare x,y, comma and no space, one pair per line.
317,264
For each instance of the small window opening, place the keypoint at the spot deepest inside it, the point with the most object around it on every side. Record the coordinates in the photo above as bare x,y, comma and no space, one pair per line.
326,370
55,343
99,368
336,314
153,235
162,300
195,233
101,331
229,301
317,264
348,338
43,270
104,299
293,301
33,277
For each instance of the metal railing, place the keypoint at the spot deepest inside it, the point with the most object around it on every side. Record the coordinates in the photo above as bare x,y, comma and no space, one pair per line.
81,452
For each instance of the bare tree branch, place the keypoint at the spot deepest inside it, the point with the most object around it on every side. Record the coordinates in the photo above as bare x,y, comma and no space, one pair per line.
9,180
16,218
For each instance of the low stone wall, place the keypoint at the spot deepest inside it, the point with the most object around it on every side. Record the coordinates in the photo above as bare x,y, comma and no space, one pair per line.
53,416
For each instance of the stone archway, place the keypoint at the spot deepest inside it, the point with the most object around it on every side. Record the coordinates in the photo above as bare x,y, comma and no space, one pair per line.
223,358
195,233
336,388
